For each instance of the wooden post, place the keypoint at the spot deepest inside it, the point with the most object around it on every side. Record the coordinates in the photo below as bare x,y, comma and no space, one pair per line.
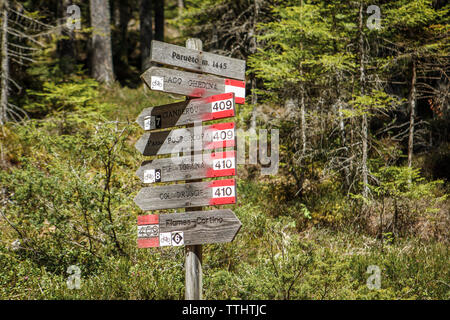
216,97
193,264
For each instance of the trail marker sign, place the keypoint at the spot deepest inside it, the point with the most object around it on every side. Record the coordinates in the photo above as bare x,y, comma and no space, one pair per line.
211,193
216,100
187,112
219,135
218,164
196,60
189,228
192,84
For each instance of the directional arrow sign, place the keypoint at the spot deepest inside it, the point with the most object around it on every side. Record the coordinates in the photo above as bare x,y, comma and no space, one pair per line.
195,60
197,194
211,165
189,228
219,135
192,84
186,112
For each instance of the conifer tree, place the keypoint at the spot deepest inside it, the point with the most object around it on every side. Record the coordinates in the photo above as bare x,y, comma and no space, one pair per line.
416,37
102,62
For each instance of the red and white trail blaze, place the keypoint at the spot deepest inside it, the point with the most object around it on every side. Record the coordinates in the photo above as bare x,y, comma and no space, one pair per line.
238,88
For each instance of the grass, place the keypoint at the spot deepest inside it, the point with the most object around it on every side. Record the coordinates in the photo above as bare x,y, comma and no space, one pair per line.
330,265
279,253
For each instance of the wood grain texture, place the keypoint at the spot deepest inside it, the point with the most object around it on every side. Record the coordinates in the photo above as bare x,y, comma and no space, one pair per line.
185,83
185,112
197,60
199,227
183,140
189,167
183,195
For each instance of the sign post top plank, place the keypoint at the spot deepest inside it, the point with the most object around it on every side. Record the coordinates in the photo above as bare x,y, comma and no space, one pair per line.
197,60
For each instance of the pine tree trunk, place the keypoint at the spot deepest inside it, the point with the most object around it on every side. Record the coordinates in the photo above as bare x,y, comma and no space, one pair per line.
5,62
412,113
180,7
159,20
364,124
146,32
253,49
254,101
302,106
303,120
343,143
66,48
125,16
102,62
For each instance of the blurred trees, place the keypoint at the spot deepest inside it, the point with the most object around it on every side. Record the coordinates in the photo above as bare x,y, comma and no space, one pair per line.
146,32
102,63
350,92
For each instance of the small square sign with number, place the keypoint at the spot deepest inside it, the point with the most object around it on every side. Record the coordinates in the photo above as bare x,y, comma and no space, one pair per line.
223,192
152,175
152,122
222,105
149,123
223,135
148,231
177,238
222,164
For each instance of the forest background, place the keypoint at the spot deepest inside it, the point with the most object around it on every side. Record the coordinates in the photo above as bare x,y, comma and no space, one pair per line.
361,103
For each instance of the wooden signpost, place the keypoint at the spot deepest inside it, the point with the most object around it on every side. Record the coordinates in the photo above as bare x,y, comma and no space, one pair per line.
187,195
219,135
192,84
189,228
197,60
213,165
216,100
187,112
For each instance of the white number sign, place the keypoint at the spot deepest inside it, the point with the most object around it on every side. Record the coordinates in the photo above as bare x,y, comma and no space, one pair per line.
227,163
223,135
222,105
223,192
152,175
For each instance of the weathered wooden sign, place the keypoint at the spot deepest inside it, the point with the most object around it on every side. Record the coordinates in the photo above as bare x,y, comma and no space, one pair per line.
187,112
211,165
195,60
197,194
189,228
192,84
219,135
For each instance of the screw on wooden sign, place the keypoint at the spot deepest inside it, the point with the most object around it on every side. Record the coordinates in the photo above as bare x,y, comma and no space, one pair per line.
197,60
192,84
189,228
217,192
186,112
219,135
218,164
